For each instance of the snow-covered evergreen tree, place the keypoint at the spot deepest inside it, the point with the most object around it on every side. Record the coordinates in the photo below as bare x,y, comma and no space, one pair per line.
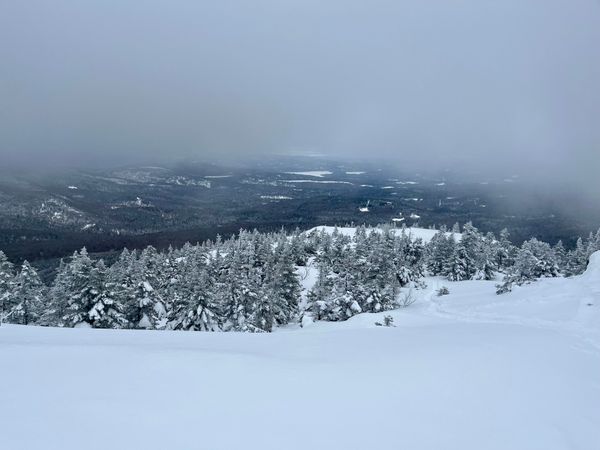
242,286
84,289
122,280
106,310
380,270
27,299
577,259
547,264
487,257
342,302
7,284
408,260
147,309
201,311
282,283
472,242
520,272
460,265
439,251
319,297
505,251
535,259
58,296
561,256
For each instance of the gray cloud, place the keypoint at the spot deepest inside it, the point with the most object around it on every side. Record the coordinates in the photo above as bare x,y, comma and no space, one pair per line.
443,82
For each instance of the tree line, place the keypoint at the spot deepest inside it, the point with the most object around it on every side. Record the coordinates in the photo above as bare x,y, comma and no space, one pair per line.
253,281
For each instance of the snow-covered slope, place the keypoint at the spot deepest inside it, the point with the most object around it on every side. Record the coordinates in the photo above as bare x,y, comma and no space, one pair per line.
416,233
470,370
568,305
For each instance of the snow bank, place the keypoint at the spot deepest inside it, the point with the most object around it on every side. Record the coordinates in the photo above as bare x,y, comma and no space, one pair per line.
592,272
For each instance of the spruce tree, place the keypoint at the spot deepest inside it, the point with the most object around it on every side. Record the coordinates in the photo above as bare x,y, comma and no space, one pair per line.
505,251
460,266
283,285
577,259
200,312
437,254
320,294
28,297
84,287
148,307
535,259
7,284
122,279
105,311
561,256
57,297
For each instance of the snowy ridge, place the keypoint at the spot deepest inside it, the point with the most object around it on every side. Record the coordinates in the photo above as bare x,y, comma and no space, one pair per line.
424,234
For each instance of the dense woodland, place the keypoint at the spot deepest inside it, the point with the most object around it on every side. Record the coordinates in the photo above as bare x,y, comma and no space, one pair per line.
252,282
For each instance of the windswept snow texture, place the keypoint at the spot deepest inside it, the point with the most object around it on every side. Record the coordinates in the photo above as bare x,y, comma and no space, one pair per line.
468,370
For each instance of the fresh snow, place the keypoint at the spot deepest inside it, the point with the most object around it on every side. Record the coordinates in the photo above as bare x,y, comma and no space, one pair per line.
468,370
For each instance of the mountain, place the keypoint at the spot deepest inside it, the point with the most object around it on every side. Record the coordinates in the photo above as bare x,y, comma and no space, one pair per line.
47,216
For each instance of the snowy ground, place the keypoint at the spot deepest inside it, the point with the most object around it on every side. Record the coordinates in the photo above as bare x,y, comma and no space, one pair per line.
470,370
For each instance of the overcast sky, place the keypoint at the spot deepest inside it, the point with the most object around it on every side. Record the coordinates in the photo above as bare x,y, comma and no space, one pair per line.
490,82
